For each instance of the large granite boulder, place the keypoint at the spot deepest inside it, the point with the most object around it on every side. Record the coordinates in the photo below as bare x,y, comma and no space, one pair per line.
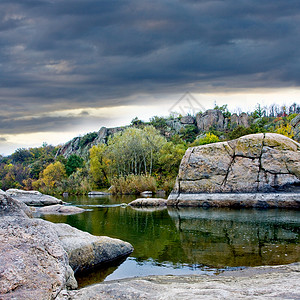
33,198
253,163
86,251
33,263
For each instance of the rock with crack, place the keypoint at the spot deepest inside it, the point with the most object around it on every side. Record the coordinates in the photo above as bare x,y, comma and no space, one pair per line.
33,198
253,163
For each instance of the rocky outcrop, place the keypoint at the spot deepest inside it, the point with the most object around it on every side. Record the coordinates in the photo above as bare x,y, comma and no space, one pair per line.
281,282
253,163
59,209
86,251
80,145
187,120
33,264
295,123
33,198
212,118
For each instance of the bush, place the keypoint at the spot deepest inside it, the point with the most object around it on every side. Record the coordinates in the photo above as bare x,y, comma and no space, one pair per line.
209,138
133,184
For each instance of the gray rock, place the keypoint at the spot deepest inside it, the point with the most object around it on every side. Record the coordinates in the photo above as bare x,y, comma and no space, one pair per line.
145,202
244,120
244,200
295,123
33,264
187,120
86,251
146,193
211,118
13,207
96,193
234,121
33,198
280,282
59,209
253,163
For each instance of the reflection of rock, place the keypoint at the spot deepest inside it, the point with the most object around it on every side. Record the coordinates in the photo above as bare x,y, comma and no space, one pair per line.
145,202
60,210
281,282
87,251
33,198
253,163
222,237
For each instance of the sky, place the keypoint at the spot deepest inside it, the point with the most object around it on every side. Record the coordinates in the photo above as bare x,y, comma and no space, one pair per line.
68,67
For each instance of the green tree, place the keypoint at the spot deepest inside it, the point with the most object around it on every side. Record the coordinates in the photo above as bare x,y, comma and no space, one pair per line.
73,163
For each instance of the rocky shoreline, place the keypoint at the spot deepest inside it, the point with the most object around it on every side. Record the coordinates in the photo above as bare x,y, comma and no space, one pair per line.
277,282
39,258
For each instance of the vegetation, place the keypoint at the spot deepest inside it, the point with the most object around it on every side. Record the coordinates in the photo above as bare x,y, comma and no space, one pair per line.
144,156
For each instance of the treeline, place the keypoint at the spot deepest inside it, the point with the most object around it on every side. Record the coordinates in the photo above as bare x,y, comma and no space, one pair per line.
145,156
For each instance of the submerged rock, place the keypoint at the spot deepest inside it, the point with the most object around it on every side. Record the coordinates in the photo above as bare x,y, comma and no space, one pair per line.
253,163
86,251
33,198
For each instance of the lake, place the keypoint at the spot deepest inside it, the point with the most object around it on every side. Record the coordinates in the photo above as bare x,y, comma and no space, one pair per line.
186,241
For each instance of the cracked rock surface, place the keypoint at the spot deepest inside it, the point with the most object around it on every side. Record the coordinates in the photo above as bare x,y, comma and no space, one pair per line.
253,163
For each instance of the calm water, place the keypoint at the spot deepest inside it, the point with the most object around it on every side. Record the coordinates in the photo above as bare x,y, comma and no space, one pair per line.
187,241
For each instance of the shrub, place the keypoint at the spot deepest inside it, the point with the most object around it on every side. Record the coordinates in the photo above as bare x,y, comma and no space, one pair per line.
133,184
209,138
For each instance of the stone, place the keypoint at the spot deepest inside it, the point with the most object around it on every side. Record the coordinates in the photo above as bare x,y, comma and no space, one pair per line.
244,120
234,121
187,120
253,163
146,193
295,123
59,209
145,202
96,193
280,282
86,251
210,118
13,207
33,198
33,264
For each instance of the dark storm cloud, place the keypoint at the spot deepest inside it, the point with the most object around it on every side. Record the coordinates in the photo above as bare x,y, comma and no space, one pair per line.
71,54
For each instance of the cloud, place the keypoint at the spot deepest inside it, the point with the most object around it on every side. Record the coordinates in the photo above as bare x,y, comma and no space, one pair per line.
57,55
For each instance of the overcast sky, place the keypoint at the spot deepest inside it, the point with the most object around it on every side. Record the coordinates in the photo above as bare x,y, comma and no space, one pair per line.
68,67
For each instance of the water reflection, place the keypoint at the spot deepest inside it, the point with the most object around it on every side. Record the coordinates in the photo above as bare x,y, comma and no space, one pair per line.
188,241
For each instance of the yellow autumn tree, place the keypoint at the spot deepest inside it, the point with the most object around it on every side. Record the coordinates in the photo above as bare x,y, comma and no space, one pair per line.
53,174
98,166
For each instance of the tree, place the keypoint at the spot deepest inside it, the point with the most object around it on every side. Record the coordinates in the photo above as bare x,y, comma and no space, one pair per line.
134,151
98,166
73,163
53,174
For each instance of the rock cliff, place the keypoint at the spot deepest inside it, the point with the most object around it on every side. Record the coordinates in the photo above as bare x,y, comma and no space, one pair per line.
253,163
